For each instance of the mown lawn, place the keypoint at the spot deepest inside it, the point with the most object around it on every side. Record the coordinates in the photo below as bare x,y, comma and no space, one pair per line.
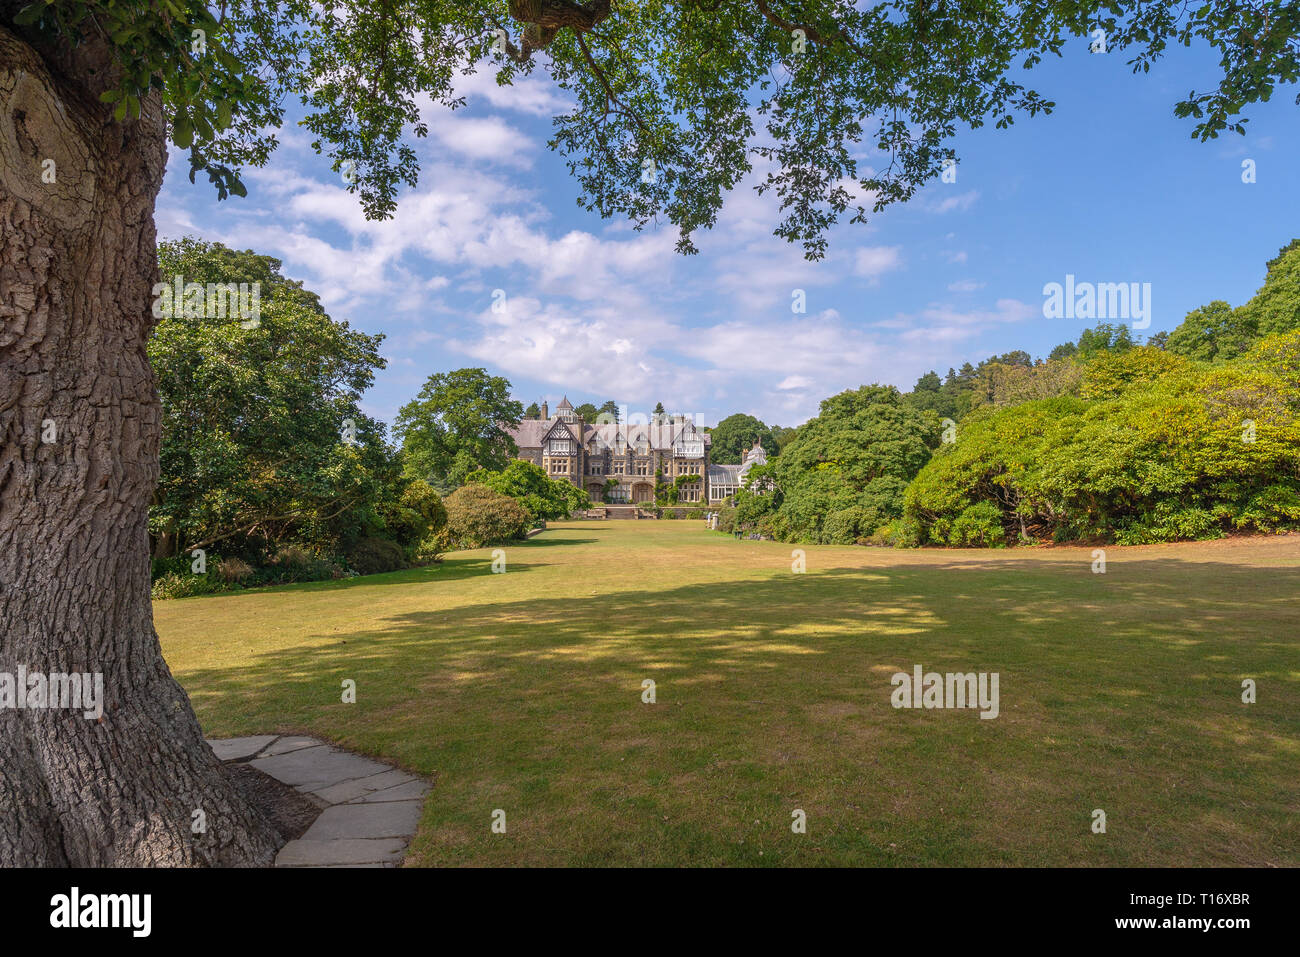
522,691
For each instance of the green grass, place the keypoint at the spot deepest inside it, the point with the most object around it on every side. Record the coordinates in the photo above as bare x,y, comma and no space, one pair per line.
522,691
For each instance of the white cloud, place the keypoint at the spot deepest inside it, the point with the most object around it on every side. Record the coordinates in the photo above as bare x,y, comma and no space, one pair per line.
609,310
795,382
533,94
962,201
488,139
873,261
939,323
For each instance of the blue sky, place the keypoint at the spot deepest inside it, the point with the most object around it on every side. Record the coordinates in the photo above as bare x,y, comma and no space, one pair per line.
1109,188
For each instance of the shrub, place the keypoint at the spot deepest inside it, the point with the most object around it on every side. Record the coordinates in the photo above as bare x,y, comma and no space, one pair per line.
234,570
885,536
899,533
727,520
293,563
290,555
979,526
186,584
1276,507
695,513
530,486
417,516
428,551
179,564
775,526
373,555
1167,522
477,517
844,526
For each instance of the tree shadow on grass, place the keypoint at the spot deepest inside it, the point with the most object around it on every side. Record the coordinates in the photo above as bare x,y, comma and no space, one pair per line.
542,541
1120,690
1162,626
450,567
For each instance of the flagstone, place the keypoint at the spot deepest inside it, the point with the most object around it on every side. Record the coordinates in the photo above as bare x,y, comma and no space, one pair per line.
373,808
240,749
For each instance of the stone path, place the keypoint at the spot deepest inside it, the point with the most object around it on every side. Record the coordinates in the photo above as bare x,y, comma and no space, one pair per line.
370,811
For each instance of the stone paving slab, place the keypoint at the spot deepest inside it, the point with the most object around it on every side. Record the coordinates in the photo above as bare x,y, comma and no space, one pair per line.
382,819
403,792
373,808
336,866
239,749
288,742
314,768
336,853
354,788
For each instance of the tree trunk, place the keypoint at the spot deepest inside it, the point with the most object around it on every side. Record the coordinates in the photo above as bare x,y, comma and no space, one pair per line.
77,266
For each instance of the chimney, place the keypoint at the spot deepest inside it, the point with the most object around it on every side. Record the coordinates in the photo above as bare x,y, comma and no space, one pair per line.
546,412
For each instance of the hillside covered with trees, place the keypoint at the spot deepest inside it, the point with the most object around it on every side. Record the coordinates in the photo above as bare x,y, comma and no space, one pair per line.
1191,434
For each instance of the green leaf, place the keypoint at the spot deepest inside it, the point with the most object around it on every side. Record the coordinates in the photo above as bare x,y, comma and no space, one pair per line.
182,132
29,14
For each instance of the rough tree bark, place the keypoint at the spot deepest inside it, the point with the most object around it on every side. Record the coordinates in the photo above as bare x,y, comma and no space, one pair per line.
544,19
77,264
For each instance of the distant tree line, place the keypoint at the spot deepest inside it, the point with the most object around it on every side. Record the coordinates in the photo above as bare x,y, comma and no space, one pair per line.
271,472
1191,434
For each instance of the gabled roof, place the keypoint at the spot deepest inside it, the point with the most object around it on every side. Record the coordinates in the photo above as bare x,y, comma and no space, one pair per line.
564,404
531,433
558,429
528,433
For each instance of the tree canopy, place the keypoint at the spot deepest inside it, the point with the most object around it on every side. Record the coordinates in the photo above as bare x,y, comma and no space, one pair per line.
1155,448
843,474
457,425
673,103
530,486
736,434
1219,332
261,425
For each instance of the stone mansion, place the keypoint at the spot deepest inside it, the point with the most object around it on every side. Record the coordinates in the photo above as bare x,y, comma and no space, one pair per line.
629,455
